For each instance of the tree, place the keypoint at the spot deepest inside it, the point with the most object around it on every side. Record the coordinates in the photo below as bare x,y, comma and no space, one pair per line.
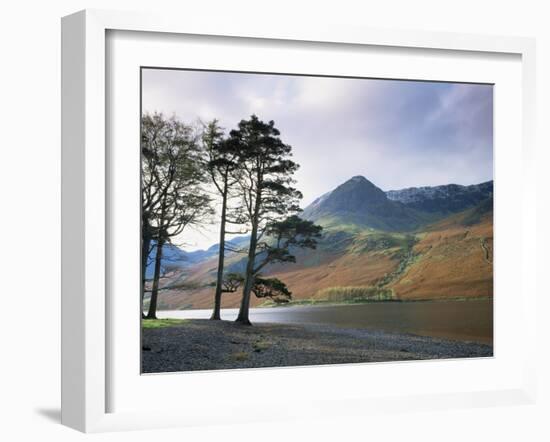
231,282
284,236
152,128
222,166
271,288
268,197
172,193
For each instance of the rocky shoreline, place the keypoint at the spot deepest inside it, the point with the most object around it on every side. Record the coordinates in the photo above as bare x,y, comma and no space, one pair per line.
210,345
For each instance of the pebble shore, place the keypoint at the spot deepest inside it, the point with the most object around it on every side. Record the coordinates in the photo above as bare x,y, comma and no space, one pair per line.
212,345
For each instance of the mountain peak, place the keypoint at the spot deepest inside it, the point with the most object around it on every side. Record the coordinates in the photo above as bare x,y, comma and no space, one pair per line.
358,201
358,180
362,187
355,193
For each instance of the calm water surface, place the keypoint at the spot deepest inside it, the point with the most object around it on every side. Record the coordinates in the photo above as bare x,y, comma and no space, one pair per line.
460,320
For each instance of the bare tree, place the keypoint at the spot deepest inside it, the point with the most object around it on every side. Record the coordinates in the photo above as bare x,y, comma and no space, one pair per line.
173,175
152,136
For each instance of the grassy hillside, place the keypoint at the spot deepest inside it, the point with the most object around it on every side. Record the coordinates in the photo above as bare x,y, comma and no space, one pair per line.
450,259
455,260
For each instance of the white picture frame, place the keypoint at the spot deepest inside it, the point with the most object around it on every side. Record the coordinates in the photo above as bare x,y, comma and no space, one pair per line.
86,316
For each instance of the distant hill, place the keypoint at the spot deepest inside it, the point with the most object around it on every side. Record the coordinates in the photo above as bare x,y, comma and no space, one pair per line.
175,257
449,259
354,205
416,243
451,198
358,202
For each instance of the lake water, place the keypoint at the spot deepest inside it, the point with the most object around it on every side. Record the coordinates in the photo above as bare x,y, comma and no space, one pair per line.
459,320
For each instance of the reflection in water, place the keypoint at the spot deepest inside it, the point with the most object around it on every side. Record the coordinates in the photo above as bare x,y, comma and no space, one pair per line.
460,320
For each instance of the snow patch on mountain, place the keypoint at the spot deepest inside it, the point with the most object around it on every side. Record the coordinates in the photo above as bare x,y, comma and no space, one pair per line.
418,194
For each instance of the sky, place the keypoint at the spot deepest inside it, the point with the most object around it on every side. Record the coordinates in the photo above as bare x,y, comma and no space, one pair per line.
395,133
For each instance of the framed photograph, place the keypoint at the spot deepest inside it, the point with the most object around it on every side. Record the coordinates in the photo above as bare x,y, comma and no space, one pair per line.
308,218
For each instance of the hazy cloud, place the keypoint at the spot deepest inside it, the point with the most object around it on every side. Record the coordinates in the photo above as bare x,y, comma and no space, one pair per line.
395,133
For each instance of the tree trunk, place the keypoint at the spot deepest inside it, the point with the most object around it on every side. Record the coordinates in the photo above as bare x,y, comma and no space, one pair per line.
145,247
152,314
221,258
242,318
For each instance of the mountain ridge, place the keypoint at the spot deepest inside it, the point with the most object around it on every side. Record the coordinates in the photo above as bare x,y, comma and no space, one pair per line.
447,259
445,198
359,202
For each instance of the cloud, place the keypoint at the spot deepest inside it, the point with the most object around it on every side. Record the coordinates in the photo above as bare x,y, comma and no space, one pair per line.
396,133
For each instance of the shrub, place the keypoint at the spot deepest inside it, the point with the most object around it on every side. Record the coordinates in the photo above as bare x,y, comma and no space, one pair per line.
351,293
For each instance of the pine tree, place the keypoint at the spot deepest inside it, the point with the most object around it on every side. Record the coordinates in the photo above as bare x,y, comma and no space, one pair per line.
268,198
223,168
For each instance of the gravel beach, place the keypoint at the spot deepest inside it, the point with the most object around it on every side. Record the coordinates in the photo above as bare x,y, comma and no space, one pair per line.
210,345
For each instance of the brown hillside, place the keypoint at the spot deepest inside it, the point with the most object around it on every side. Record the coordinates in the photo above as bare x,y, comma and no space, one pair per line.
450,259
453,261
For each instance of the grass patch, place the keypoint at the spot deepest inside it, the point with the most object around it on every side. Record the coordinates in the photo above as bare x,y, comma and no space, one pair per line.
308,301
354,294
313,301
161,323
316,301
261,346
240,356
379,241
